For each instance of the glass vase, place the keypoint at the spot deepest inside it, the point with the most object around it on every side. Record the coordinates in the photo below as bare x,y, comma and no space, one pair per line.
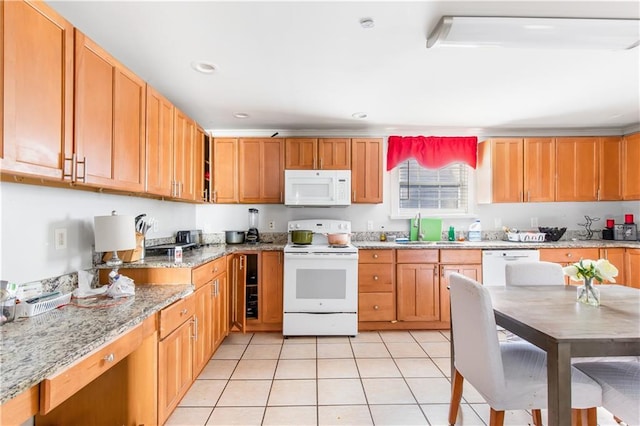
588,293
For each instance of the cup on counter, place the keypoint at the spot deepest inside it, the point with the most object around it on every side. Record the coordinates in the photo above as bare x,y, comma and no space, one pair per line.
628,219
610,223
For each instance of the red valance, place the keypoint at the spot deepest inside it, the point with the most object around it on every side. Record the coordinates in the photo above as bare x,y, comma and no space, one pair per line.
432,152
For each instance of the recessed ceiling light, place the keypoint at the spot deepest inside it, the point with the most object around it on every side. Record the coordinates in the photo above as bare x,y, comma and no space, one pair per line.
240,115
204,67
359,115
367,23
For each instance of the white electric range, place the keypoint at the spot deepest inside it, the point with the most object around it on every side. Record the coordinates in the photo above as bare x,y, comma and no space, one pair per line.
320,282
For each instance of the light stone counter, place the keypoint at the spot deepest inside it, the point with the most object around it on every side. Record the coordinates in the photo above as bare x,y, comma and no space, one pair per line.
34,348
496,245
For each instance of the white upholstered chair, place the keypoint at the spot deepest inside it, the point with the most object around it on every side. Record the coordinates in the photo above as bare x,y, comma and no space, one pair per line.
510,376
620,382
534,273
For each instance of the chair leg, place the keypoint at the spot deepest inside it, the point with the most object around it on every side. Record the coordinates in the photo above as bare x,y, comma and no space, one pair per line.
496,418
456,395
537,417
584,417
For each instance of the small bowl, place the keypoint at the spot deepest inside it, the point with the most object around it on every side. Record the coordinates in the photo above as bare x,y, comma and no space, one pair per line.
552,234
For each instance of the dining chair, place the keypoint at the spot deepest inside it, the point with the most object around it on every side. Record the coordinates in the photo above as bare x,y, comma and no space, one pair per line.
620,382
534,273
510,376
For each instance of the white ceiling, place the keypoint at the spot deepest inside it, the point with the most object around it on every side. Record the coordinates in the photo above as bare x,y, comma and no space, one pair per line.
302,66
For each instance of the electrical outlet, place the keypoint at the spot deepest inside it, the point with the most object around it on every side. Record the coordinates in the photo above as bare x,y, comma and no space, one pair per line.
272,225
60,238
369,225
154,227
497,223
534,222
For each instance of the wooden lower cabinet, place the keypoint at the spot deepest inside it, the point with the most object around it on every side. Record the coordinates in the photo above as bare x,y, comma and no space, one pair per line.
122,375
20,408
175,356
632,268
203,327
376,287
418,292
473,271
567,256
271,280
617,258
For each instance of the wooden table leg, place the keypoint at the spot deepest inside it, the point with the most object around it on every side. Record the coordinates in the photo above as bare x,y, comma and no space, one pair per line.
559,384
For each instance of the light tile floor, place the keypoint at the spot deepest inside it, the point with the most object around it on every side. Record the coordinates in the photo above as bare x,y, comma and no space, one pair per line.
375,378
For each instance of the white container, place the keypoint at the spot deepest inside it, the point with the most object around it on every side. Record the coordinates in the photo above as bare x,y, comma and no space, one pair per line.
475,231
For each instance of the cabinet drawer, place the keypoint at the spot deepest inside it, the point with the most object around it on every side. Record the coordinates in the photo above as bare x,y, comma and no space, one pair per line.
172,316
417,256
375,278
205,273
56,389
376,256
568,255
461,256
376,307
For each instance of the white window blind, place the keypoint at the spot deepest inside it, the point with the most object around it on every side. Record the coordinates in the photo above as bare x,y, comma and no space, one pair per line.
444,189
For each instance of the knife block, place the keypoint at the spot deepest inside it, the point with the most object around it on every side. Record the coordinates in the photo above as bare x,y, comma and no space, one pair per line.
129,256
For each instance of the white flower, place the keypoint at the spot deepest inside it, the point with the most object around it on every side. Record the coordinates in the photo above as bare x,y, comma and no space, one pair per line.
601,270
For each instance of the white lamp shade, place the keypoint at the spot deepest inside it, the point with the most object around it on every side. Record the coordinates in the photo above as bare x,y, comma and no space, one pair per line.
115,232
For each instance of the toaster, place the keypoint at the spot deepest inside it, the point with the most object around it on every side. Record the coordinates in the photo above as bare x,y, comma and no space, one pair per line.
189,237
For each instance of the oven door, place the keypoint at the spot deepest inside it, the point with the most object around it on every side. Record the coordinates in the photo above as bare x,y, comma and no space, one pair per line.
320,283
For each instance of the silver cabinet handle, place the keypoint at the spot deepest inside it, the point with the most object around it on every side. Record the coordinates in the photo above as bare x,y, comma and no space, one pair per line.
184,311
195,328
84,170
375,278
109,358
376,307
375,256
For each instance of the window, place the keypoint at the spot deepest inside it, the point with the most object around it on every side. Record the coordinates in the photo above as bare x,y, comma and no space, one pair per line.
443,191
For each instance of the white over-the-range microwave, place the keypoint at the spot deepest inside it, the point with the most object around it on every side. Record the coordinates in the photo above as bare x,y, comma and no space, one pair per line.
319,188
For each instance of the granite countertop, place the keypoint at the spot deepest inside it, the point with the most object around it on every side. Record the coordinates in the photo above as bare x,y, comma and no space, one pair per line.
34,348
496,244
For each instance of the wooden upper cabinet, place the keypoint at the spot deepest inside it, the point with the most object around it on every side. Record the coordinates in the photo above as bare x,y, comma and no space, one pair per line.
610,168
261,170
198,165
366,170
109,120
334,154
539,169
577,169
300,153
188,159
630,168
317,154
225,170
159,143
500,169
36,81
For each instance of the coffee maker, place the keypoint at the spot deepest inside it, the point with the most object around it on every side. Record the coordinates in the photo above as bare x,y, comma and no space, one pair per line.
252,234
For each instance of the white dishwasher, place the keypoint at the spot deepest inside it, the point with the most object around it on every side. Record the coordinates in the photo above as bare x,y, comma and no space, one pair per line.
494,263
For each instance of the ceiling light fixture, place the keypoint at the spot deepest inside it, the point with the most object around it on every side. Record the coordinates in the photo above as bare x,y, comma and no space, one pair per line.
522,32
240,115
204,67
359,115
367,23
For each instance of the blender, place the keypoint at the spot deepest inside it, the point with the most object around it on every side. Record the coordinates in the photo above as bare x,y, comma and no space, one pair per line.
252,234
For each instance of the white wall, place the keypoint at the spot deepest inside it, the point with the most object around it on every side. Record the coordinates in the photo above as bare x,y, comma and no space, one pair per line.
31,213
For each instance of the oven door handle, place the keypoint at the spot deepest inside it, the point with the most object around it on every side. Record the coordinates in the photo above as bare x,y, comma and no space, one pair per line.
321,256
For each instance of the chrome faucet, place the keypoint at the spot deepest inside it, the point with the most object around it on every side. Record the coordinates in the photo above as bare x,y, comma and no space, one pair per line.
417,223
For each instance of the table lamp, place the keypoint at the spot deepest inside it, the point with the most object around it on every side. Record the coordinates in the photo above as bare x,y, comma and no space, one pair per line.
113,233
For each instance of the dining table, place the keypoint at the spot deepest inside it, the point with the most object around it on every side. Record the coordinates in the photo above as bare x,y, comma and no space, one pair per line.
551,318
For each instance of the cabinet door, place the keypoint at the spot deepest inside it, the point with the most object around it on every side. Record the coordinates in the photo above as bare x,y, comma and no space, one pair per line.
198,165
260,170
220,310
616,257
203,321
159,143
471,271
109,117
37,108
377,306
632,268
175,369
238,283
577,169
334,154
417,292
507,162
225,170
539,169
184,157
271,287
610,168
630,169
366,170
301,154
